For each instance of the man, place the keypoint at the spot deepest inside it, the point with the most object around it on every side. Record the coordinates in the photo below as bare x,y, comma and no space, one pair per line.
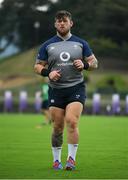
45,108
66,56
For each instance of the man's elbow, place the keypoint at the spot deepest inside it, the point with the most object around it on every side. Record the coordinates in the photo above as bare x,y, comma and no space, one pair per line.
36,68
95,66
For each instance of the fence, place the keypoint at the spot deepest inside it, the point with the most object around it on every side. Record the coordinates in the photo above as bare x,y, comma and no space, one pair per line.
96,106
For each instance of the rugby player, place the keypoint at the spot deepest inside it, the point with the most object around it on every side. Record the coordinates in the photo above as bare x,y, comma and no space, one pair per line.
62,59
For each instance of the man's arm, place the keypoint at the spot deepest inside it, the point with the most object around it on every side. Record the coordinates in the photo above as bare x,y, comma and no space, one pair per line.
89,63
39,66
92,61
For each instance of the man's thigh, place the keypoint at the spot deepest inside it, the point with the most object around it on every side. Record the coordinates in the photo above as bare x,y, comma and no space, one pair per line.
57,114
74,110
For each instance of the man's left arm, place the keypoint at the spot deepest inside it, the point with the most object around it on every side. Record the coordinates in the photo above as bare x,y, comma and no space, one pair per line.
92,63
89,63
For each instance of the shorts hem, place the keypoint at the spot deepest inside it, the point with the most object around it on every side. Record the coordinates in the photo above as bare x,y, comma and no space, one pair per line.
57,106
77,101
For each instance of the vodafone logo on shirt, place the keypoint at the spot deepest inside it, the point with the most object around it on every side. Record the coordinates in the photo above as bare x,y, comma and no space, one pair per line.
64,56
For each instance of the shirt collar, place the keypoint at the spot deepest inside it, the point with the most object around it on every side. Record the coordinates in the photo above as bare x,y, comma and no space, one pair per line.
65,38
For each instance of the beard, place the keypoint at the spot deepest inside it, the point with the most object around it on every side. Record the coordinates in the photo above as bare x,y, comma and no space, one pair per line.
63,33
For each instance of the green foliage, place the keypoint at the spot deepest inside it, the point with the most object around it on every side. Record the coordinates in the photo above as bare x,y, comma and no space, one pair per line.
105,47
21,64
102,22
111,84
19,22
112,20
124,49
17,73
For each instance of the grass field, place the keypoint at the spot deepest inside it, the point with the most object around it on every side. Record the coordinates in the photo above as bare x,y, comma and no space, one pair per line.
25,151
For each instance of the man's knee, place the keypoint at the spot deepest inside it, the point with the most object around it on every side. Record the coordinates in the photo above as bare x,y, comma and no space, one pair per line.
71,122
58,128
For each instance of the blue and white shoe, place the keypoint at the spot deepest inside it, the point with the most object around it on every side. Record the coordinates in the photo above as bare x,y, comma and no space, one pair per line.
70,165
57,165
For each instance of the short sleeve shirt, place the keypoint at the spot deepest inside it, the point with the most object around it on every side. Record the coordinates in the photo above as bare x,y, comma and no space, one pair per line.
60,55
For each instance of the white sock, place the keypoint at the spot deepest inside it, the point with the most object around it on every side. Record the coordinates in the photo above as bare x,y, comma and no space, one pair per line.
56,151
72,150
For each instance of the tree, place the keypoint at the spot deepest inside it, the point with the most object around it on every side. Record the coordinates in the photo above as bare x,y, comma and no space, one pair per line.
17,22
112,20
23,23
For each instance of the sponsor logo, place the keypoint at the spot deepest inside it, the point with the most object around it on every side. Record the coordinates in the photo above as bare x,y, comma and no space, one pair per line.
65,64
51,48
75,46
77,96
64,56
52,100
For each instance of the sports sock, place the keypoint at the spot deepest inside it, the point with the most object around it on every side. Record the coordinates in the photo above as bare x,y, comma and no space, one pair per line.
72,150
56,151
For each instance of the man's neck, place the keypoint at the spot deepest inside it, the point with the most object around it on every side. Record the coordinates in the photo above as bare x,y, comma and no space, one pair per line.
66,37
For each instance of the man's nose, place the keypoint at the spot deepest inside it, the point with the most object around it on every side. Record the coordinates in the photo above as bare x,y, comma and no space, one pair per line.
62,22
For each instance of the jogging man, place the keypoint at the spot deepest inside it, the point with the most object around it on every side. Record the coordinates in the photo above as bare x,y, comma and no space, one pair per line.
66,56
45,108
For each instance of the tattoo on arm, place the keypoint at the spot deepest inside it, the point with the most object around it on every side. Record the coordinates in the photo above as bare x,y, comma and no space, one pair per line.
93,63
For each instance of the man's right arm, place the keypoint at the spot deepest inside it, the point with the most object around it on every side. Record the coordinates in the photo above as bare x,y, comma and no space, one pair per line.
39,66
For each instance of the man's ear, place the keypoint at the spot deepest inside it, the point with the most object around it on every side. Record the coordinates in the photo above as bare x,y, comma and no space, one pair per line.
55,24
71,23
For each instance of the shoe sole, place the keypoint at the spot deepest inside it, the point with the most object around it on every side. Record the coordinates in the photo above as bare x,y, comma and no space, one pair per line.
70,168
57,169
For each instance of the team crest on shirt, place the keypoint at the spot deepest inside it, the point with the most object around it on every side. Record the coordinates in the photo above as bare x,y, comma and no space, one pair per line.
51,48
75,46
77,96
64,56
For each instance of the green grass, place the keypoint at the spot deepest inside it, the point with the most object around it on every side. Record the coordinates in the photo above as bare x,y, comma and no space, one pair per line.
25,151
20,64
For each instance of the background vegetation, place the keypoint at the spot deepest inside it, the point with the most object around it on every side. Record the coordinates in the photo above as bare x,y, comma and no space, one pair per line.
16,74
103,23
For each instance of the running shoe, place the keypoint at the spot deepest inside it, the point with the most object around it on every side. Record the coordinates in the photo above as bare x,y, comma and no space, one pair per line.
70,165
57,165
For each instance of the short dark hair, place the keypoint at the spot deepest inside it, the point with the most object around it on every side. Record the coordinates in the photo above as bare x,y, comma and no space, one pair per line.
63,13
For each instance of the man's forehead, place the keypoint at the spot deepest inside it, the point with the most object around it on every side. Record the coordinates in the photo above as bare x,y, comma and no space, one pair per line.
63,18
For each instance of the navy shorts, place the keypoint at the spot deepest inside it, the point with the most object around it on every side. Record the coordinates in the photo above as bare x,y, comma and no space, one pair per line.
62,97
44,104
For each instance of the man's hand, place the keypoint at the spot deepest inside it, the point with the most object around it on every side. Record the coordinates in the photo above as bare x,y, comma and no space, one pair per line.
55,75
78,64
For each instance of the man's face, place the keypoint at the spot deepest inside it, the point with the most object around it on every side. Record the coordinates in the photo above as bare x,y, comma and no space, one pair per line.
63,25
